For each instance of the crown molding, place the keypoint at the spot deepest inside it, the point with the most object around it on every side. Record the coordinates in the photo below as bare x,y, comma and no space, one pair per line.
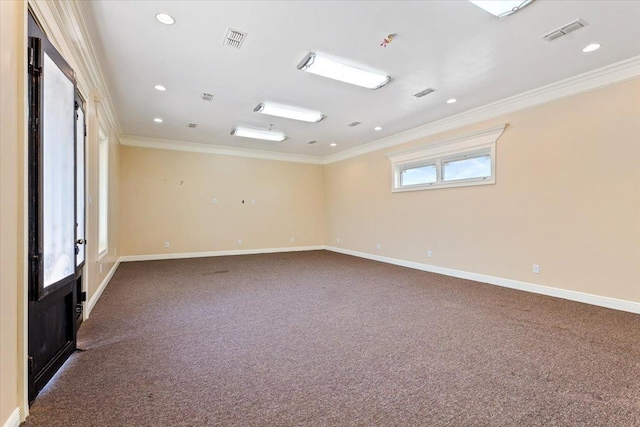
484,136
65,25
591,80
193,147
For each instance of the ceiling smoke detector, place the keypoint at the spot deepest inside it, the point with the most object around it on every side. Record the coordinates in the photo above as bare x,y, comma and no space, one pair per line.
354,124
425,92
208,97
563,31
234,38
192,125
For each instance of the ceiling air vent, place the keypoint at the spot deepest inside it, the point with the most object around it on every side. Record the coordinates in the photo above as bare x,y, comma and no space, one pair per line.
312,142
206,97
572,26
192,125
354,124
425,92
234,38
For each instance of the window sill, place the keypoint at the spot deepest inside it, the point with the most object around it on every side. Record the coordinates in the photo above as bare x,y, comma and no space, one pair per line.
469,183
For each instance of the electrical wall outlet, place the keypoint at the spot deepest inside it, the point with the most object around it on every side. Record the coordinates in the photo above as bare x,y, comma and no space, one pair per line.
429,254
378,246
166,244
337,240
536,268
293,239
239,241
253,201
215,200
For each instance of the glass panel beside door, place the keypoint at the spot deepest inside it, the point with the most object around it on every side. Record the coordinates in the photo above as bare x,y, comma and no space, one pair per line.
58,174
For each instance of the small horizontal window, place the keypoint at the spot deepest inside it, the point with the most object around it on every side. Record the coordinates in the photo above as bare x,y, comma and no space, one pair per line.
418,175
467,160
469,168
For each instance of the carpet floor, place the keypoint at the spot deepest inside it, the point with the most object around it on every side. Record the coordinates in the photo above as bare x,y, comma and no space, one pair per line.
324,339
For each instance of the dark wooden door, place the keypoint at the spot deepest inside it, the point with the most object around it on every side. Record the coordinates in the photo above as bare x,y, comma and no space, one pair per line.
52,210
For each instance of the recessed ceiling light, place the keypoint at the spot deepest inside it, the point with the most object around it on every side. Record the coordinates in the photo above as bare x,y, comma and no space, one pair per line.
316,64
165,19
160,88
501,8
591,47
333,144
268,135
377,128
289,112
157,120
451,101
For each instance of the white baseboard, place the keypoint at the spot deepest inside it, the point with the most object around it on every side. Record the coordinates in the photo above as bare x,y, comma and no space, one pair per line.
14,419
95,297
154,257
616,304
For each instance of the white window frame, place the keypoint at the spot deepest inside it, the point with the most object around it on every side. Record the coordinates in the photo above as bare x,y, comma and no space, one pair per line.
476,144
103,194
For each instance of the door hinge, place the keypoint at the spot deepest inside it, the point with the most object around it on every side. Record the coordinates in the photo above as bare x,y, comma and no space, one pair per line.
35,59
30,359
82,297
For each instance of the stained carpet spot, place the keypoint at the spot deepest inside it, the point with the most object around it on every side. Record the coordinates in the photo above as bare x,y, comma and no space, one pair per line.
215,272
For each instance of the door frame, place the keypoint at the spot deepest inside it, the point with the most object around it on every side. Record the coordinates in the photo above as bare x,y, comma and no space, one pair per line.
63,292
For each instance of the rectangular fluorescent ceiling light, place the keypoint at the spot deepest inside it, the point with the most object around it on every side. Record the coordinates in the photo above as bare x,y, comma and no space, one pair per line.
501,8
265,134
289,112
322,66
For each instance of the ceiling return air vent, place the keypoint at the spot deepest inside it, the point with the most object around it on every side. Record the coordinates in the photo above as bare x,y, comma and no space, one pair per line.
354,124
563,31
425,92
234,38
312,142
192,125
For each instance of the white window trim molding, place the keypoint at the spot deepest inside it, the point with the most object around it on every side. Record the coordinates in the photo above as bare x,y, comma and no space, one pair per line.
102,139
438,152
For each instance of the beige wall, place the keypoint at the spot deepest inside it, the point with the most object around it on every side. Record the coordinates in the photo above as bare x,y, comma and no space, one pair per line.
11,231
168,196
567,198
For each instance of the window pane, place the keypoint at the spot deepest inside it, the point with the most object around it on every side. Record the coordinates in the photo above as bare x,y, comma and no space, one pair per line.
80,185
418,175
103,190
58,217
475,167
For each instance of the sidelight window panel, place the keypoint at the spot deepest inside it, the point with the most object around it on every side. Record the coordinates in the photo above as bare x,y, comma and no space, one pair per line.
103,194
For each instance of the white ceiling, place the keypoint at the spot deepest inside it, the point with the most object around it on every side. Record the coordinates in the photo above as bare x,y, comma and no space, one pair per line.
453,46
